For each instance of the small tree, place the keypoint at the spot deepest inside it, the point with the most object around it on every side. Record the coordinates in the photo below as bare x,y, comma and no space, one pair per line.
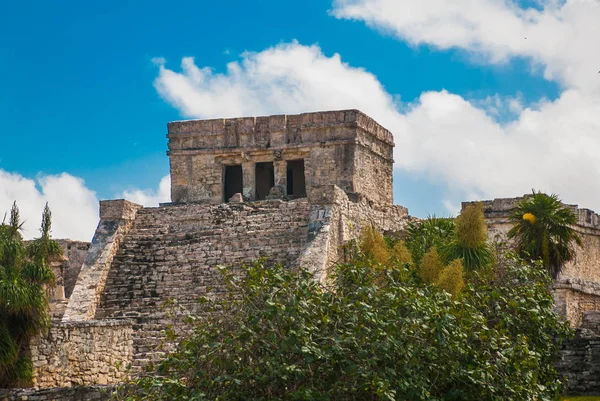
24,276
543,230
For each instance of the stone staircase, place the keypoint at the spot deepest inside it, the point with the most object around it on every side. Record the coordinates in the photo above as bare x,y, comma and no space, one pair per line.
173,252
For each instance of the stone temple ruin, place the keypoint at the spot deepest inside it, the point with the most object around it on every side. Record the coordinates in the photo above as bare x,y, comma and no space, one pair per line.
291,189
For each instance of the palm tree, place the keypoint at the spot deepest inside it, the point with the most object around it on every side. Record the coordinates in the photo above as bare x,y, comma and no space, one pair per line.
24,277
543,230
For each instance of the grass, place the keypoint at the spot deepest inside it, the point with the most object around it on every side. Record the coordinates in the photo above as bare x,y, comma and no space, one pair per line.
577,398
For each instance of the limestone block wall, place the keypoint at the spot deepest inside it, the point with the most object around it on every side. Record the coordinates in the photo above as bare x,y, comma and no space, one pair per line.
116,218
82,353
172,253
337,218
75,253
328,141
579,359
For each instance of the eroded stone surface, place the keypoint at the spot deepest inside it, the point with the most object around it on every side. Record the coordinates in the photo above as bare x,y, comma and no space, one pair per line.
82,353
344,148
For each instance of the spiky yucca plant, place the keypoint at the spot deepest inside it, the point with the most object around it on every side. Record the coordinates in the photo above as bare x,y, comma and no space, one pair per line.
470,240
543,230
24,276
431,232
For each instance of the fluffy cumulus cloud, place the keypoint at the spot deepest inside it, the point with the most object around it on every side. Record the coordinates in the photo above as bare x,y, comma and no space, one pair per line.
150,197
74,207
559,36
458,144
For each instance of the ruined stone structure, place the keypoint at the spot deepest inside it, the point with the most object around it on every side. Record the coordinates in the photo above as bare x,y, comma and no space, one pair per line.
291,189
577,289
212,160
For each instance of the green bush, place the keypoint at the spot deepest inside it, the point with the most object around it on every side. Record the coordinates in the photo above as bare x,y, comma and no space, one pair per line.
278,334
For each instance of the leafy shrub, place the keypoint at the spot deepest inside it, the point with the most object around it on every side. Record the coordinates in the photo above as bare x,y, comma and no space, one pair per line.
278,334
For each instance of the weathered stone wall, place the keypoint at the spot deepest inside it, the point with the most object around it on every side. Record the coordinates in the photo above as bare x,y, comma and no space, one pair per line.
345,148
173,252
116,218
86,393
74,253
337,217
82,353
579,359
577,289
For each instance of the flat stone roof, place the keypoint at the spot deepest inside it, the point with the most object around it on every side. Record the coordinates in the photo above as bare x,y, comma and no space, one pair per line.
281,123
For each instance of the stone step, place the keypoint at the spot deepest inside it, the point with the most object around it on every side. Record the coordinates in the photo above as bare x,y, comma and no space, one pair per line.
174,252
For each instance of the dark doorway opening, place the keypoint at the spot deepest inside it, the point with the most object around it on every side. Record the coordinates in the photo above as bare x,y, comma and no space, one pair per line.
234,182
265,179
296,183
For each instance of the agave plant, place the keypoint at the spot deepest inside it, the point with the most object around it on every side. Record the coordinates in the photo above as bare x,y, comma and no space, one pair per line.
543,229
24,277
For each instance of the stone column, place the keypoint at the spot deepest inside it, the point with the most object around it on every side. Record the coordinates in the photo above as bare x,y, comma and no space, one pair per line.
249,180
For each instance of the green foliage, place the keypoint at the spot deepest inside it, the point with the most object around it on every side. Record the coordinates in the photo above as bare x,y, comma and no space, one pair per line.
423,235
278,334
24,276
543,230
431,266
469,242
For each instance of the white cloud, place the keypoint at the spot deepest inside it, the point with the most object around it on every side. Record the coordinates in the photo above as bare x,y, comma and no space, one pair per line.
150,197
74,207
562,37
554,147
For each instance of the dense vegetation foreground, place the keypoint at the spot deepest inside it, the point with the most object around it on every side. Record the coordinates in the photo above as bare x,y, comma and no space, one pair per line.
439,316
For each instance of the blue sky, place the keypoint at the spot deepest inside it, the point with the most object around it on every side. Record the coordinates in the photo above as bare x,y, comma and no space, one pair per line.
86,89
